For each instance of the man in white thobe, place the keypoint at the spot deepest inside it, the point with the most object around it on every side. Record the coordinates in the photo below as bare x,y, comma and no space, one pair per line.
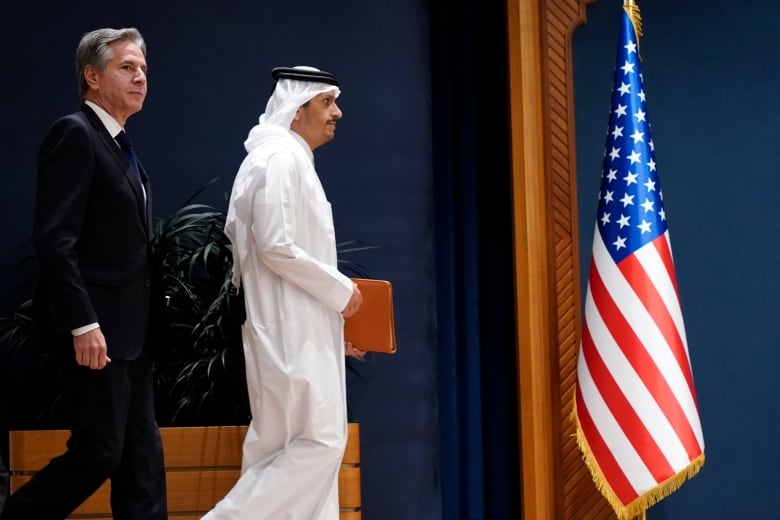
281,226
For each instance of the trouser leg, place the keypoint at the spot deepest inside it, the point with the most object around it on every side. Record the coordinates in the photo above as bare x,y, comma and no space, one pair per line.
138,486
96,404
4,477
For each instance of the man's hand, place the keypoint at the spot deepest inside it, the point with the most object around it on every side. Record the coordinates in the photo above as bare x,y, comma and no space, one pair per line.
351,350
354,302
91,350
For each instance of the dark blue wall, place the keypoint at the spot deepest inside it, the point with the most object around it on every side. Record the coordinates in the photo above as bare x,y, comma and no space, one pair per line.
711,72
209,78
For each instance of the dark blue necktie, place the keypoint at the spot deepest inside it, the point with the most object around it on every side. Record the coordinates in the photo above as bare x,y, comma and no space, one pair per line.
127,147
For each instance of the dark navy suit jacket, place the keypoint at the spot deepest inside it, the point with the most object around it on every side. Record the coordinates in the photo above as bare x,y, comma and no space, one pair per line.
91,232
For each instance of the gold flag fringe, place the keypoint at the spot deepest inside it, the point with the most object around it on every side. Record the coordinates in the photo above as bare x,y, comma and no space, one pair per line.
639,505
632,9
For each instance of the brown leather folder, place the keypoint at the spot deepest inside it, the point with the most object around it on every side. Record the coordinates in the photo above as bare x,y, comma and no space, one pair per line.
372,327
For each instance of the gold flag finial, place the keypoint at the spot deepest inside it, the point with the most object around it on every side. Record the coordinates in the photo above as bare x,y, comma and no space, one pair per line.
632,8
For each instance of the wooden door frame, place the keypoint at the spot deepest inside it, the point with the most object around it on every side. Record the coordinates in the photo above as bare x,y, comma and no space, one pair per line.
555,484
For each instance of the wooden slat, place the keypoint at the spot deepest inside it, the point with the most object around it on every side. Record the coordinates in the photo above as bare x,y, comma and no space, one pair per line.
199,491
349,486
171,516
187,491
209,446
31,450
191,447
343,515
352,451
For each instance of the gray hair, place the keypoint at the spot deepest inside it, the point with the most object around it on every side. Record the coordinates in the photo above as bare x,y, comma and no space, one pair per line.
95,49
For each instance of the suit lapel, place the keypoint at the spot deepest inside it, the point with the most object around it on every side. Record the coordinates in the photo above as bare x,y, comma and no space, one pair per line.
144,204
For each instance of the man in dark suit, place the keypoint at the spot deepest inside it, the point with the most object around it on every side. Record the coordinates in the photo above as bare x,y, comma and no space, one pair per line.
95,292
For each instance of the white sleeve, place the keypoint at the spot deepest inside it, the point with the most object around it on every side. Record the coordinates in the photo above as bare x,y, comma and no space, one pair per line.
275,230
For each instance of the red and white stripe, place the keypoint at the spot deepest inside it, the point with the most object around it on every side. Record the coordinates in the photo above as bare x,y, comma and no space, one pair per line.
635,402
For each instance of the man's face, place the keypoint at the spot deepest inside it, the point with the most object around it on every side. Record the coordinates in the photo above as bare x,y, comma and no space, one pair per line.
119,89
316,121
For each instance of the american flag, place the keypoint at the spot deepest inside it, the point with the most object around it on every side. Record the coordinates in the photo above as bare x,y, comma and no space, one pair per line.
635,404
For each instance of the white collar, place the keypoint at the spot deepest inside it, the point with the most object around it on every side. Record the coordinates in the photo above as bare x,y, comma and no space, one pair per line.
109,122
304,145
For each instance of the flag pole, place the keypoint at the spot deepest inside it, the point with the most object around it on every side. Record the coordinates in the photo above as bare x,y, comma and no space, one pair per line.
632,8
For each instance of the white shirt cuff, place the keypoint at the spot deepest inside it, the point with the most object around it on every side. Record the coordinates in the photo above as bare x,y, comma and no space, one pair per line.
86,328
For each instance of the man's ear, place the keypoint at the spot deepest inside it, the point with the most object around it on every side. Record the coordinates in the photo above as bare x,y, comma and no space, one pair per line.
90,76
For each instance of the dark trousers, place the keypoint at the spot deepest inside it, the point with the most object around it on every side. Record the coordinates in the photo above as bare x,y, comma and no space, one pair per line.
113,436
4,477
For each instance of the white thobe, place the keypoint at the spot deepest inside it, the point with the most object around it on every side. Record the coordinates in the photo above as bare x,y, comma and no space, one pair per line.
281,227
